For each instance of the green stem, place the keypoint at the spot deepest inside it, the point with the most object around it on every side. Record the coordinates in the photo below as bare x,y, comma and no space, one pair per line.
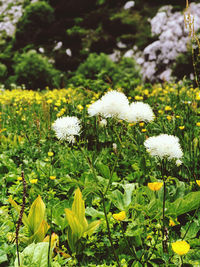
163,218
131,248
49,248
109,232
189,224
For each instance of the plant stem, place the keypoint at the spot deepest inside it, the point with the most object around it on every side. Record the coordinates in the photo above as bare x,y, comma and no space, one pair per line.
20,216
109,233
49,248
164,242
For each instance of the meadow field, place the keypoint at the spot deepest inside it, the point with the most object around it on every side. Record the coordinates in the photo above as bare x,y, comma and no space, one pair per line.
100,179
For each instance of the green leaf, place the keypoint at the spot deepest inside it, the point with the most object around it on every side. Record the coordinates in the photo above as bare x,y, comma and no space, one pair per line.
34,255
183,205
78,207
3,256
92,227
18,208
76,227
104,170
36,214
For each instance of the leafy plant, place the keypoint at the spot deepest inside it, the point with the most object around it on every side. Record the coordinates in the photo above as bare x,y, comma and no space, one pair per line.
78,224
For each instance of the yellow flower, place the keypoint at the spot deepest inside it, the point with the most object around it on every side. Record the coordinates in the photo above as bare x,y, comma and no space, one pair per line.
198,124
144,130
168,108
120,216
155,186
52,177
50,154
141,124
33,181
171,223
169,117
177,116
137,97
180,247
80,107
131,124
160,111
198,182
149,237
181,127
49,101
19,178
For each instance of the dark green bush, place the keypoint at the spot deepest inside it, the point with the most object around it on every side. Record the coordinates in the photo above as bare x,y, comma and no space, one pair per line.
35,24
34,70
100,67
3,72
183,66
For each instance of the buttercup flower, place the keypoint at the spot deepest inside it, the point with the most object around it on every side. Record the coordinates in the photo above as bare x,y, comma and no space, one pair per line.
120,216
164,146
66,128
33,181
180,247
50,154
155,186
198,182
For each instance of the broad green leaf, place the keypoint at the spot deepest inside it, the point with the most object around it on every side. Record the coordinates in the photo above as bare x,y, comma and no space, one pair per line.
104,170
36,214
18,208
78,207
92,227
128,190
76,227
183,205
3,256
34,255
72,239
39,235
117,199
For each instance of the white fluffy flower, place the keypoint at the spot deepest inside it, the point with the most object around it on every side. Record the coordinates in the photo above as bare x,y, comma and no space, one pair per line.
112,104
164,146
139,111
66,128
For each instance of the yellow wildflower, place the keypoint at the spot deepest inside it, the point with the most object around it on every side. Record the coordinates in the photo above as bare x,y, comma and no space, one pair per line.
49,101
33,181
144,130
141,124
19,178
171,223
80,107
181,127
198,182
155,186
168,108
52,177
120,216
138,98
180,247
50,154
169,118
131,124
177,116
149,237
198,124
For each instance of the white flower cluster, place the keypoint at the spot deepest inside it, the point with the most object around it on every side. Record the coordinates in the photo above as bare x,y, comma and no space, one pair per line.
172,40
116,105
11,11
66,128
164,146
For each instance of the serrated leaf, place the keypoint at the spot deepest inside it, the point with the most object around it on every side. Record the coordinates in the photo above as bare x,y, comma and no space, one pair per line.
104,170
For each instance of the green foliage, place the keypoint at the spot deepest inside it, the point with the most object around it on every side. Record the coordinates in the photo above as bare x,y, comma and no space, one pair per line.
99,68
34,70
34,24
3,72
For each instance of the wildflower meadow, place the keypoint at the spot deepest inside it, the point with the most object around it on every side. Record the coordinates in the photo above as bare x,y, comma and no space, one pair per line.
100,179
